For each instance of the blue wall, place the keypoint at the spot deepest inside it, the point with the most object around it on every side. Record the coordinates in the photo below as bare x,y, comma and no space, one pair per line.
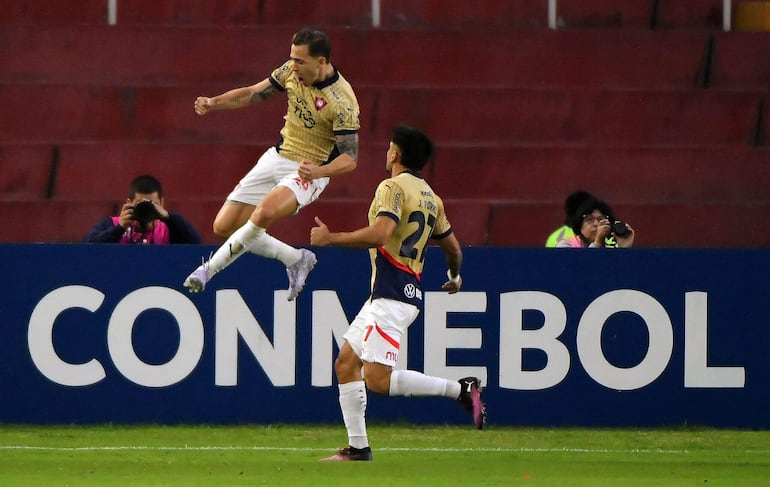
637,337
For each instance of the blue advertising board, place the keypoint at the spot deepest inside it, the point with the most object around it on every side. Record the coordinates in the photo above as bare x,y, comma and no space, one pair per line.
632,337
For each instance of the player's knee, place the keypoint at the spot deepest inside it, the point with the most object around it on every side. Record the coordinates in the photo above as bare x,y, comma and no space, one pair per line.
265,215
377,378
221,230
346,369
378,383
340,368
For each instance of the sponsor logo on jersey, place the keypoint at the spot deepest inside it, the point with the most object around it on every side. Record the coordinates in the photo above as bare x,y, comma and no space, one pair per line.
411,291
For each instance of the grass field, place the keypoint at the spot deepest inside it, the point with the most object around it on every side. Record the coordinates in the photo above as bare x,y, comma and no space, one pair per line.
403,455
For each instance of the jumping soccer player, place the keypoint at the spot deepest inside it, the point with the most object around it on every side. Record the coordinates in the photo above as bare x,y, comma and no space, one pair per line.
319,140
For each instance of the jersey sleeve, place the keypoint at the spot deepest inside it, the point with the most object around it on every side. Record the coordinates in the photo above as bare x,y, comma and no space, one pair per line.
280,74
346,119
442,228
346,110
388,200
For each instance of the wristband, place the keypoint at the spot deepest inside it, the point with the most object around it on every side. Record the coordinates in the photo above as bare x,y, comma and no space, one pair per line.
454,279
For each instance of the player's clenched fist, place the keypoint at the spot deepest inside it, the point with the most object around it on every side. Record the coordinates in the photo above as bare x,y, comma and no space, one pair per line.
307,171
319,235
203,105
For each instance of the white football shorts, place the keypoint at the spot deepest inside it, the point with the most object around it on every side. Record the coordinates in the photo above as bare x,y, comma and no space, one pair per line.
273,170
375,333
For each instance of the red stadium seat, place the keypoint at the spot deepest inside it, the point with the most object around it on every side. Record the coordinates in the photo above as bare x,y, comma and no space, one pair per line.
37,12
605,14
694,225
104,171
51,221
522,224
534,59
740,61
101,113
706,175
644,117
422,14
763,139
299,13
25,171
200,212
679,225
519,14
190,12
159,56
469,218
207,171
689,14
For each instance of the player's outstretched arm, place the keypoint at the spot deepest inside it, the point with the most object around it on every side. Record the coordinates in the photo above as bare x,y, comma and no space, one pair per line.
374,235
236,98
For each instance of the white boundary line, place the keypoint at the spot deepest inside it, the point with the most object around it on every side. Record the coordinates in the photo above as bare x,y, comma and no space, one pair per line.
292,449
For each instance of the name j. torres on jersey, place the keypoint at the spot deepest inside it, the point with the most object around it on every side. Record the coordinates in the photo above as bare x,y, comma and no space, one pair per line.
397,265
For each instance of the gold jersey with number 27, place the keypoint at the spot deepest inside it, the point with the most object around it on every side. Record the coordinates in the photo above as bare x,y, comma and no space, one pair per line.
419,214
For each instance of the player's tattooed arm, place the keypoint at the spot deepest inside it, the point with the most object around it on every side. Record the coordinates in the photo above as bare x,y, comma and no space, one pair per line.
348,144
263,94
240,97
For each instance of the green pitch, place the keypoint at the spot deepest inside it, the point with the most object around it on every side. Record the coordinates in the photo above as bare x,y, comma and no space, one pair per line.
403,455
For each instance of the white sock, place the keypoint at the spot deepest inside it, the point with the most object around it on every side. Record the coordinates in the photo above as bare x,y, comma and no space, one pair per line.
233,247
412,383
353,405
266,245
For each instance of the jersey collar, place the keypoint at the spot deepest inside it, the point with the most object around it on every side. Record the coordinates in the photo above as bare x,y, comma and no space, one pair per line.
413,173
328,81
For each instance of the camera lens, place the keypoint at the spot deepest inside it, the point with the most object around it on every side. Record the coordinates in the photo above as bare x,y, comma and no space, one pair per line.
619,228
145,212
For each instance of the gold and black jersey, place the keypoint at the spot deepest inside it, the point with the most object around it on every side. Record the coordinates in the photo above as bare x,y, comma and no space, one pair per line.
419,216
315,115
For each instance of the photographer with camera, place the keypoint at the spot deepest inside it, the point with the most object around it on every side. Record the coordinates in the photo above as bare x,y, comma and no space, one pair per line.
144,220
595,226
571,205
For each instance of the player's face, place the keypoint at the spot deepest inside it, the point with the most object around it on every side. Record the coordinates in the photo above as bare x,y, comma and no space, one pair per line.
307,69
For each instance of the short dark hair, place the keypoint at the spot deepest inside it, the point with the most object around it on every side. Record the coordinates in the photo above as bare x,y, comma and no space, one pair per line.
587,208
145,184
317,42
416,147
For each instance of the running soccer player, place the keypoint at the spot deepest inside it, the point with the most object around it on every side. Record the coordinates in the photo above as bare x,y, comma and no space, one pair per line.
403,216
319,140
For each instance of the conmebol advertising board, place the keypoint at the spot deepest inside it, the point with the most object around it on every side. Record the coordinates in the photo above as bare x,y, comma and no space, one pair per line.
632,337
